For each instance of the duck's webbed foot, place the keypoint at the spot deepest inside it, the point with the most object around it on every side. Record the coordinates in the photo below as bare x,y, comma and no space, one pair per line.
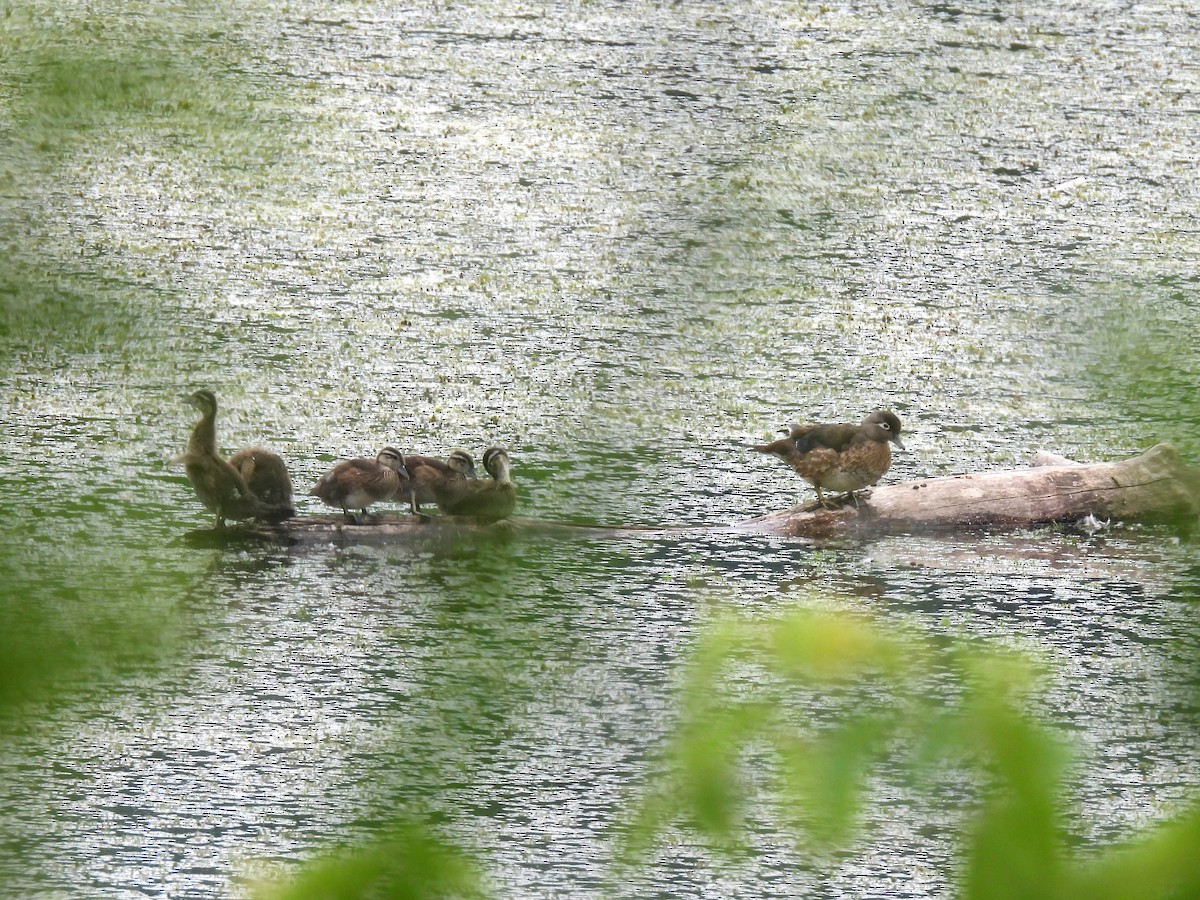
857,495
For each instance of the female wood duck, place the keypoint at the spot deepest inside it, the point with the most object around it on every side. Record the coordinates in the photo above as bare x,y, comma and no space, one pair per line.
357,483
220,487
425,471
840,457
486,500
266,474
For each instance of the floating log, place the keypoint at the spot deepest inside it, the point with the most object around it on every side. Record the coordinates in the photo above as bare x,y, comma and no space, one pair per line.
1155,487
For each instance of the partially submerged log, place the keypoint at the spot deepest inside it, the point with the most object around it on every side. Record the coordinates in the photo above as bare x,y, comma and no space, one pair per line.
1154,487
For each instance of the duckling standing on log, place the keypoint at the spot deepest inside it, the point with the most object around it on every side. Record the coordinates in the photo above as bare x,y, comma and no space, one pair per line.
357,483
486,500
266,474
839,457
424,471
220,487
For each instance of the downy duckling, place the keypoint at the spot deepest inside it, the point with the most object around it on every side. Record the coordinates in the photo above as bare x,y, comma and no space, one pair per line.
424,471
357,483
266,474
486,500
840,457
220,487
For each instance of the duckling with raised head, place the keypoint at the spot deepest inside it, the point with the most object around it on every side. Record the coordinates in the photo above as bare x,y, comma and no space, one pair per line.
266,474
357,483
220,487
425,471
487,500
839,457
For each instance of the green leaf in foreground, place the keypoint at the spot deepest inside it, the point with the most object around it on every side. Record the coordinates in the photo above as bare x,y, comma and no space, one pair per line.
826,701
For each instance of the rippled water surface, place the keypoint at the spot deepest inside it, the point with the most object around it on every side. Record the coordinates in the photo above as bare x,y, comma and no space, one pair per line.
625,240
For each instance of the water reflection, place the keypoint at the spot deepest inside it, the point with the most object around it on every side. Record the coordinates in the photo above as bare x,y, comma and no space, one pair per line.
626,242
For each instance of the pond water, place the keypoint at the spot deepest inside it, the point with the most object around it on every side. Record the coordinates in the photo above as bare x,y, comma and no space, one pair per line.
625,241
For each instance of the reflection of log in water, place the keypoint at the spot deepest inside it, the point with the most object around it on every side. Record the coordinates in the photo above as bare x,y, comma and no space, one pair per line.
1153,487
398,528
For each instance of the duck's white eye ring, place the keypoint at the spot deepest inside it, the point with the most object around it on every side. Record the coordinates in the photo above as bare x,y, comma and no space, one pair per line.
885,426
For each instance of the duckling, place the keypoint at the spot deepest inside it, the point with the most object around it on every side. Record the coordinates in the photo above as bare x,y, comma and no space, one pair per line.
425,470
357,483
486,500
840,457
220,487
266,474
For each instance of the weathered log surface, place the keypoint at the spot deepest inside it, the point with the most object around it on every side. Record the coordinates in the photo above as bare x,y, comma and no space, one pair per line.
1153,487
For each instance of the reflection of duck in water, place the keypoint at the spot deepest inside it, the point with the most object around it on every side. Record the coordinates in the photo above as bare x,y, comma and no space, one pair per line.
480,499
425,471
840,457
220,487
266,475
357,483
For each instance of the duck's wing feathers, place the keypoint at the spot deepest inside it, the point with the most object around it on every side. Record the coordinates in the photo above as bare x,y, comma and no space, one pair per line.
832,437
427,462
345,471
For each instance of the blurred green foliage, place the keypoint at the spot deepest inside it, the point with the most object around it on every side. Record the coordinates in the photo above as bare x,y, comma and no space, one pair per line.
170,79
78,603
145,88
1135,350
411,862
74,616
829,699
